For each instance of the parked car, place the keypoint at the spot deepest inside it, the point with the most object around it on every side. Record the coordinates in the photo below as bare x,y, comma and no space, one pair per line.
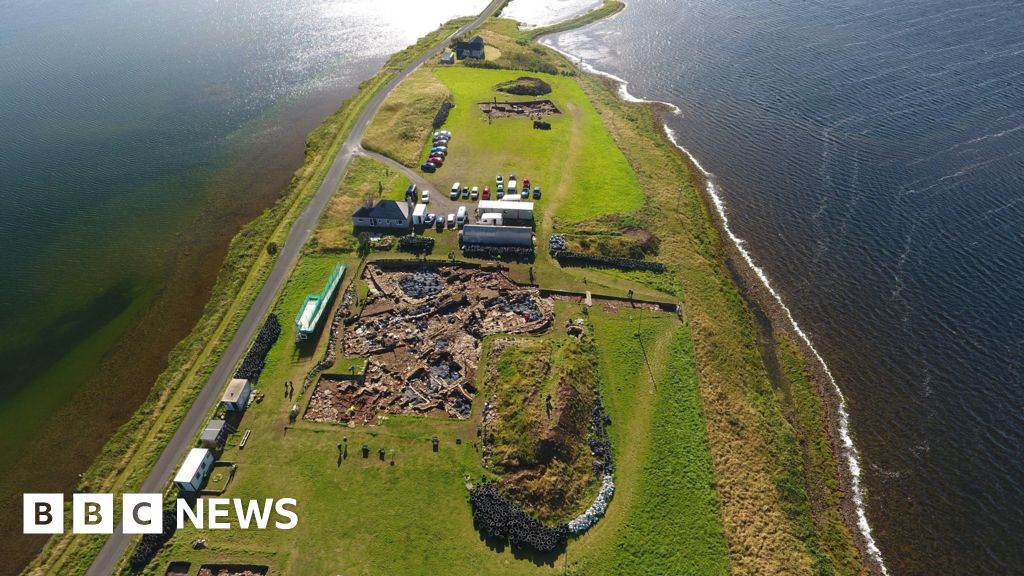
461,218
525,193
442,134
512,176
428,167
526,182
437,143
439,150
536,192
486,195
439,223
455,190
451,220
437,160
474,193
410,190
498,180
499,194
425,197
430,219
465,192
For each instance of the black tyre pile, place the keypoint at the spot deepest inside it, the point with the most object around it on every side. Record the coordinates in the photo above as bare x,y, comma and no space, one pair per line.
252,365
511,253
416,244
151,543
442,113
568,257
500,518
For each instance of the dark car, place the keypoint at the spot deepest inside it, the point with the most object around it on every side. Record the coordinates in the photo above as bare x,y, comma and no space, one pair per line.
536,192
440,142
436,161
525,193
411,189
428,167
439,222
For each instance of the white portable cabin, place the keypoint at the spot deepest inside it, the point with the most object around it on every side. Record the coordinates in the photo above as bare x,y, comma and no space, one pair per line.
419,215
491,218
236,396
509,210
194,470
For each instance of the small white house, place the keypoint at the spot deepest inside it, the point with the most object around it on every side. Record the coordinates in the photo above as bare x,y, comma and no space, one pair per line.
194,470
236,396
419,215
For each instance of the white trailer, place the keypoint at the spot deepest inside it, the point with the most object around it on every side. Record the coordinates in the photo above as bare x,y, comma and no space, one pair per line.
491,218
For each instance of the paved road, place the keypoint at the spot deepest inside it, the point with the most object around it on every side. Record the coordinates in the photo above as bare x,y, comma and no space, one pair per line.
182,440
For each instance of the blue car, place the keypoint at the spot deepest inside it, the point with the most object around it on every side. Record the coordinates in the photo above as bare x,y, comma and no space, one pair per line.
536,192
428,167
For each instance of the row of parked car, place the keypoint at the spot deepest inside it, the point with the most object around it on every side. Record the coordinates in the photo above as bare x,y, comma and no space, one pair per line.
512,188
475,193
452,220
438,151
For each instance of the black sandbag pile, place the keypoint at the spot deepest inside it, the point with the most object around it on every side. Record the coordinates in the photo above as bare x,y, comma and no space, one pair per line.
421,284
498,517
150,544
508,253
416,244
255,359
569,257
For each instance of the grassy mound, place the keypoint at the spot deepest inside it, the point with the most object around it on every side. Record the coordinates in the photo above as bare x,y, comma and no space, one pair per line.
541,394
524,86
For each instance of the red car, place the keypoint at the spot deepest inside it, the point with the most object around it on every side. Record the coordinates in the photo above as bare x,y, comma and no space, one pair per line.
486,193
437,160
526,183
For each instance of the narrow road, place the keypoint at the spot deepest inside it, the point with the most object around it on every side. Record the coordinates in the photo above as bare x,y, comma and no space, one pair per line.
118,542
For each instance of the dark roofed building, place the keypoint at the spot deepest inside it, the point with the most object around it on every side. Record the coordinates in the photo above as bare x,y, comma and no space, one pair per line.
383,214
472,49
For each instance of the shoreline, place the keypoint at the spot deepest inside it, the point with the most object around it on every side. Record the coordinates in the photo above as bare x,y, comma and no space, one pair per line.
768,305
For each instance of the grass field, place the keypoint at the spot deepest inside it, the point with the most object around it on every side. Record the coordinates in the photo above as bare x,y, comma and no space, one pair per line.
399,130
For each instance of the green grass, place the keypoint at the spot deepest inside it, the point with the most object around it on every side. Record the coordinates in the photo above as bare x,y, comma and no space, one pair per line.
577,164
403,123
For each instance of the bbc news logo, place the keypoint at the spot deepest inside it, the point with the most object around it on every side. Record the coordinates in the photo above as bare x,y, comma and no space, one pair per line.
143,514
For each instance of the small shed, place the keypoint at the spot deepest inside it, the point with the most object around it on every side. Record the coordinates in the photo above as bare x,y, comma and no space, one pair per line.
448,57
214,434
194,470
236,396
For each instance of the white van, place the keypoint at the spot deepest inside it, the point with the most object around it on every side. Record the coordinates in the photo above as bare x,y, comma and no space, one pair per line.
461,216
455,190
